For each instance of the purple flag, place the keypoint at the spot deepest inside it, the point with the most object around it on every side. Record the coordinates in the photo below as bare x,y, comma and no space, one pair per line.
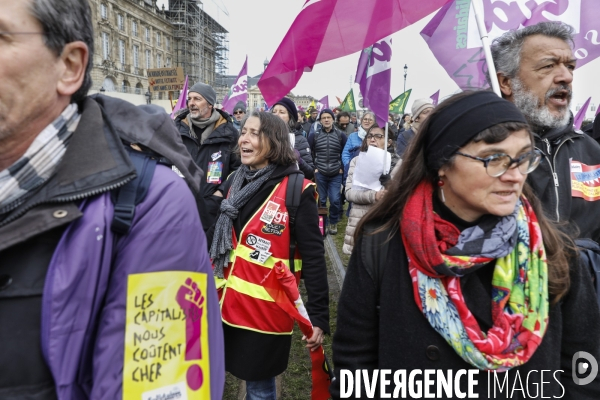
329,29
435,98
374,75
578,120
323,103
238,91
453,37
182,100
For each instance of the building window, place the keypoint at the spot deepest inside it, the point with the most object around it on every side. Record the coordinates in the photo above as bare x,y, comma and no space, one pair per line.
168,62
122,51
105,46
103,11
168,43
159,61
120,22
134,28
136,56
148,59
158,40
147,33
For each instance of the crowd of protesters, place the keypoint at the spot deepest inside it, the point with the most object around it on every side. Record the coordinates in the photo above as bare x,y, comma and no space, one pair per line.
124,232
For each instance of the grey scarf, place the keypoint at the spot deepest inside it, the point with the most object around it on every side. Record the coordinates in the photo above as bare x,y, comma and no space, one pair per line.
230,208
207,124
39,162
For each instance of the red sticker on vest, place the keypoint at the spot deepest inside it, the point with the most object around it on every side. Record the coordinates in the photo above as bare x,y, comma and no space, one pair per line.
585,181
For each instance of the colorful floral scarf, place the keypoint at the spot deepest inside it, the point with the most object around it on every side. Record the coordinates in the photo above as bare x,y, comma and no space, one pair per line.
519,284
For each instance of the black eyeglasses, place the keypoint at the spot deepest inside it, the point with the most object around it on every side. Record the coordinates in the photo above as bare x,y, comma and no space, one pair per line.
377,136
498,164
238,112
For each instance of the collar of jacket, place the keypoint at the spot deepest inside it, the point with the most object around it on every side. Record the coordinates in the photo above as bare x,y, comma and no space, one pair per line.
95,162
220,135
556,136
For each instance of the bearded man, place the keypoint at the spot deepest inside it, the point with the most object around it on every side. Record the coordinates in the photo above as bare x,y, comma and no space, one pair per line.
535,71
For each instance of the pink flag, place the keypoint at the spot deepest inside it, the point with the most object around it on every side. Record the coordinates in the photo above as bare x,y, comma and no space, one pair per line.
578,120
182,100
329,29
453,37
238,91
435,98
323,103
374,75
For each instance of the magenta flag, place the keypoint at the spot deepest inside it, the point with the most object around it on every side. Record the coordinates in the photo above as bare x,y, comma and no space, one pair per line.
182,100
329,29
578,120
453,37
374,75
435,98
238,91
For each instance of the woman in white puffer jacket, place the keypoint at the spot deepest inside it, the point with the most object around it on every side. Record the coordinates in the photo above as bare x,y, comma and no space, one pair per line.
363,199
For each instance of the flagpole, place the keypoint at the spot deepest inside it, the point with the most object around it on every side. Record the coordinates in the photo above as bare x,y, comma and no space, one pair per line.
485,40
385,146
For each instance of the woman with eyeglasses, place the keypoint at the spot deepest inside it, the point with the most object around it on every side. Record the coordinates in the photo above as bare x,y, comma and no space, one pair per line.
363,199
355,139
457,269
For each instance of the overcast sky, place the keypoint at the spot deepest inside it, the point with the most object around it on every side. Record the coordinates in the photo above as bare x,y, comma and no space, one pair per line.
256,28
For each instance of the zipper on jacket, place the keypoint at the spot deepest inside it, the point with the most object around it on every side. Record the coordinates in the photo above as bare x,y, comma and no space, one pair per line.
552,170
68,198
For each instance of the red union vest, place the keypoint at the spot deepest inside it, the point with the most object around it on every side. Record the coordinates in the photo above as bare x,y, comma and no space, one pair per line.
263,241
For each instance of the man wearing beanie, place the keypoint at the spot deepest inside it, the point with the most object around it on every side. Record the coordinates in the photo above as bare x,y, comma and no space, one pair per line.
210,137
327,144
421,108
239,112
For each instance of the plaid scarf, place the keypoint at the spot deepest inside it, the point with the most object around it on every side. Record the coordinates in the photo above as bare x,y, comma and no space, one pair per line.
39,162
439,255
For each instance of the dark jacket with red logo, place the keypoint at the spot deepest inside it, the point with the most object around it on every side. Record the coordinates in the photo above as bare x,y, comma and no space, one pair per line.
216,152
552,180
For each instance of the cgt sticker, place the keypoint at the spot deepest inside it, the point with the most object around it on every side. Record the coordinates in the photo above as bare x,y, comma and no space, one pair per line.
585,181
273,229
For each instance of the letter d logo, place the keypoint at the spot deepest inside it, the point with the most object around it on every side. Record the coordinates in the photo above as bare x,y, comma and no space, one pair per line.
584,367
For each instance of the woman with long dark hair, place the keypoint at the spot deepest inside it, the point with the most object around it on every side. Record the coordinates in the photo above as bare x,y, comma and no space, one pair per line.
253,232
458,269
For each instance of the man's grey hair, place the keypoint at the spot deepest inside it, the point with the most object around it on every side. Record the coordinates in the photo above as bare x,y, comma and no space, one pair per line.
63,22
506,49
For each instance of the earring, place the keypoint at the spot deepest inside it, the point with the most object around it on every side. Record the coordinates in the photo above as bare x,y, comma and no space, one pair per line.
440,183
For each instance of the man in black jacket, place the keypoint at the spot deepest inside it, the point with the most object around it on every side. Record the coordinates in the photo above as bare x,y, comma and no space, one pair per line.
210,137
535,71
327,144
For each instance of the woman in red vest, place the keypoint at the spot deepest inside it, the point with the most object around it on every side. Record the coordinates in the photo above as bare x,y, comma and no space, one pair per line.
251,234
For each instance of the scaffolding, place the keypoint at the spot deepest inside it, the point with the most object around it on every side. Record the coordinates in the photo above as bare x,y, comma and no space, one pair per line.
201,43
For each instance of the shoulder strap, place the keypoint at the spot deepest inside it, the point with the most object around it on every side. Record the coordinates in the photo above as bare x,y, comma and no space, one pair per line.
292,201
374,253
133,192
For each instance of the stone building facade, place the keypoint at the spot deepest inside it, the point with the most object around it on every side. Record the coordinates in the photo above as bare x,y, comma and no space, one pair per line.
131,36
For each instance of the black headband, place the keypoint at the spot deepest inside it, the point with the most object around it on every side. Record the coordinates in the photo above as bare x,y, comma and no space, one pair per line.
457,124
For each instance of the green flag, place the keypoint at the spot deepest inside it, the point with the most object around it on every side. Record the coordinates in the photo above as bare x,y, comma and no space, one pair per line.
348,103
398,105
